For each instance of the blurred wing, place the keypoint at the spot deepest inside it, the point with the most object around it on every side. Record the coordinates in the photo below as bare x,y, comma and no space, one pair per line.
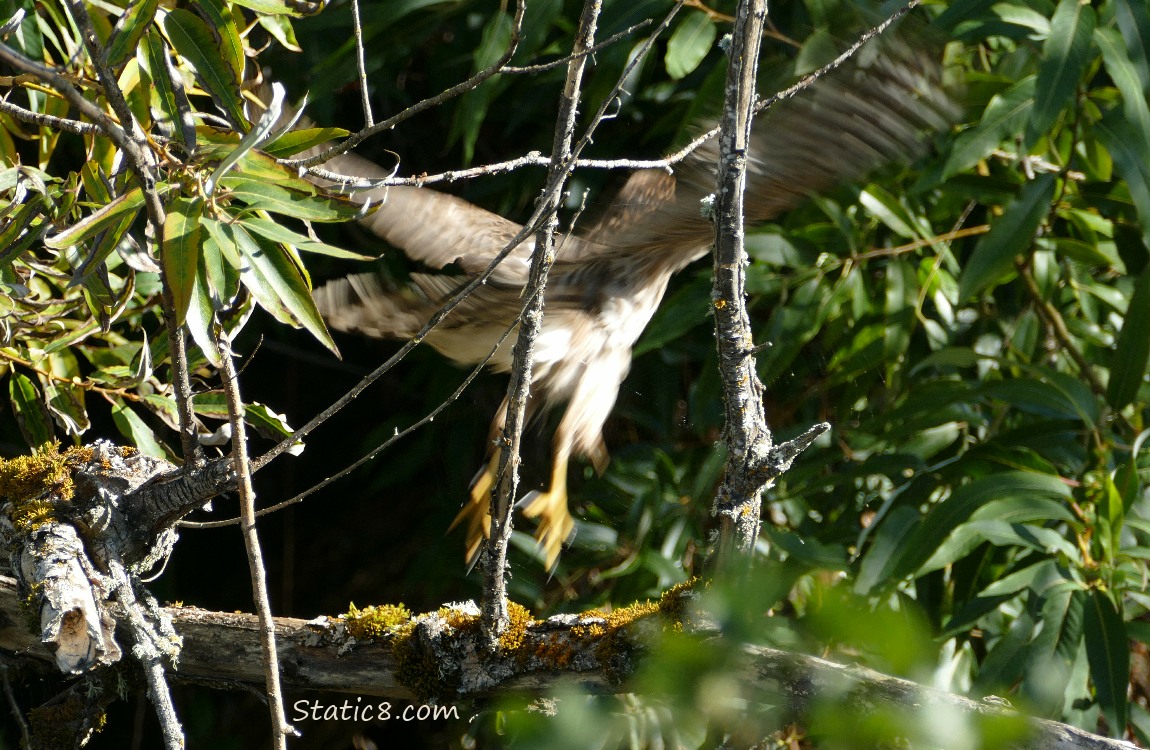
435,228
880,109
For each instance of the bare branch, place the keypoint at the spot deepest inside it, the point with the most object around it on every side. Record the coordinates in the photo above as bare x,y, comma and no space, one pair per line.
280,728
48,121
361,67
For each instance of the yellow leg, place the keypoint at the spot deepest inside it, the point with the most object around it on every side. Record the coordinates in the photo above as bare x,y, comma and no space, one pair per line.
475,512
555,522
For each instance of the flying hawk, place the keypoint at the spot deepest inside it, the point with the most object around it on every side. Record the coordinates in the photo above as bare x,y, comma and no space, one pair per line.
607,281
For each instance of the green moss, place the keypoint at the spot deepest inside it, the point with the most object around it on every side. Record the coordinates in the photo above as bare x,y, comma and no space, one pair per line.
415,665
35,484
375,622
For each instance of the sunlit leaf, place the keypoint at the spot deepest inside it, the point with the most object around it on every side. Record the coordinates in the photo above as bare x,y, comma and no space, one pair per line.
295,141
279,233
181,250
689,43
1064,57
275,281
132,27
28,407
281,200
132,427
127,205
192,38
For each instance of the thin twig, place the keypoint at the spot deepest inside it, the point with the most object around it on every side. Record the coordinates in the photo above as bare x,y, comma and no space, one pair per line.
280,728
399,435
493,617
48,121
1053,318
541,67
25,733
150,653
357,28
460,88
745,430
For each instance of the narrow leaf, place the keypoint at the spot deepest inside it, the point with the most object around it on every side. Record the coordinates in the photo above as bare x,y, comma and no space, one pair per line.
1064,57
257,194
180,254
294,141
126,205
132,25
138,432
689,44
195,42
1132,352
1011,235
1109,658
279,233
31,416
277,285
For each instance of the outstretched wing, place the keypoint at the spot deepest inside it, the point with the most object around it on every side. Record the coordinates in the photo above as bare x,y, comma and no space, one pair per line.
880,108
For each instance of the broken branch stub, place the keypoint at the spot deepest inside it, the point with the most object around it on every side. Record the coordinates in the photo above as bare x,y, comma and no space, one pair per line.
68,517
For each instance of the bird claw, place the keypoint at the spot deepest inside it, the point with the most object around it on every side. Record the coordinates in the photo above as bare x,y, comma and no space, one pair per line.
556,525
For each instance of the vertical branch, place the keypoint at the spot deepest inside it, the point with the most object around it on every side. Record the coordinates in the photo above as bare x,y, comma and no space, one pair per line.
357,24
280,728
493,604
753,461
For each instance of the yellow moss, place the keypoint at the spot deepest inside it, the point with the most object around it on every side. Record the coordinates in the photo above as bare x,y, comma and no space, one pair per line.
373,621
519,619
674,600
458,619
35,483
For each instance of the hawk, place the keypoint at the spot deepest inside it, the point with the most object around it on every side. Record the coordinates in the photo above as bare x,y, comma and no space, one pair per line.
608,280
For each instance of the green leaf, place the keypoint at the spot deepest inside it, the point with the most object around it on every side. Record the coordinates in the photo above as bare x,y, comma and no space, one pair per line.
295,8
473,105
276,283
281,234
138,432
223,24
257,194
281,28
689,43
31,415
202,308
1108,657
127,205
295,141
1131,153
132,27
1002,120
166,103
1133,17
1064,57
180,254
1124,73
1009,236
195,42
944,517
262,419
1132,352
